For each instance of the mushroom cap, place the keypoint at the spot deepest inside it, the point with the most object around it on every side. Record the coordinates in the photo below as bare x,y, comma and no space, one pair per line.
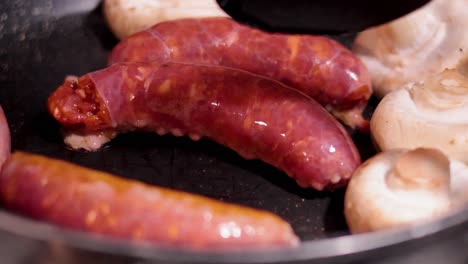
127,17
427,114
416,46
399,188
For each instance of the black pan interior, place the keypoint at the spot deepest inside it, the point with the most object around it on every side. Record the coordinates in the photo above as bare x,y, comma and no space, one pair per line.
43,41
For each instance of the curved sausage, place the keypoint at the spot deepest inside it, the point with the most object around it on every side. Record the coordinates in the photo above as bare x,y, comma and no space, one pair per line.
318,66
5,141
83,199
255,116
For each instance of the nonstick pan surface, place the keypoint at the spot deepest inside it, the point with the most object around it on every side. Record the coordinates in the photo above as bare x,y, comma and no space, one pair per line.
43,41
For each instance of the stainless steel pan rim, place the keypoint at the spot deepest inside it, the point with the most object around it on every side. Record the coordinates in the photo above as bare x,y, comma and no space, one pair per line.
331,248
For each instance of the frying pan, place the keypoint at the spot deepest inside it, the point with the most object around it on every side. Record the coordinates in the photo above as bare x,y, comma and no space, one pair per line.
42,41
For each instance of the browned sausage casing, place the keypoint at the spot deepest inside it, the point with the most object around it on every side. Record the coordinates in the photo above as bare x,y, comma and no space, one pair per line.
318,66
255,116
75,197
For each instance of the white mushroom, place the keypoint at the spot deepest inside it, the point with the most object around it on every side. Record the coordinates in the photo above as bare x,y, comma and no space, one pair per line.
399,188
415,46
431,114
126,17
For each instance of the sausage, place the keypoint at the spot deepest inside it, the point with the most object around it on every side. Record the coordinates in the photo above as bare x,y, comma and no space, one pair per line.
87,200
257,117
5,141
318,66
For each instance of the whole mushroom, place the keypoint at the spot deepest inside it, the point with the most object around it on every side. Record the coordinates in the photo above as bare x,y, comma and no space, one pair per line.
399,188
126,17
426,114
415,46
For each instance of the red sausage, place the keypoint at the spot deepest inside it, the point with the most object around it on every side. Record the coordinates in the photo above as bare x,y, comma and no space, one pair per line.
255,116
318,66
5,140
78,198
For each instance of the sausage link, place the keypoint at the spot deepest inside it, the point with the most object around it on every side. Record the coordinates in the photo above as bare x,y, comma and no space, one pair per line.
253,115
318,66
87,200
5,141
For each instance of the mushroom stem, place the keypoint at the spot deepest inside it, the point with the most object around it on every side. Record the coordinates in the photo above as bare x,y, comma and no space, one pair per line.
421,168
444,91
